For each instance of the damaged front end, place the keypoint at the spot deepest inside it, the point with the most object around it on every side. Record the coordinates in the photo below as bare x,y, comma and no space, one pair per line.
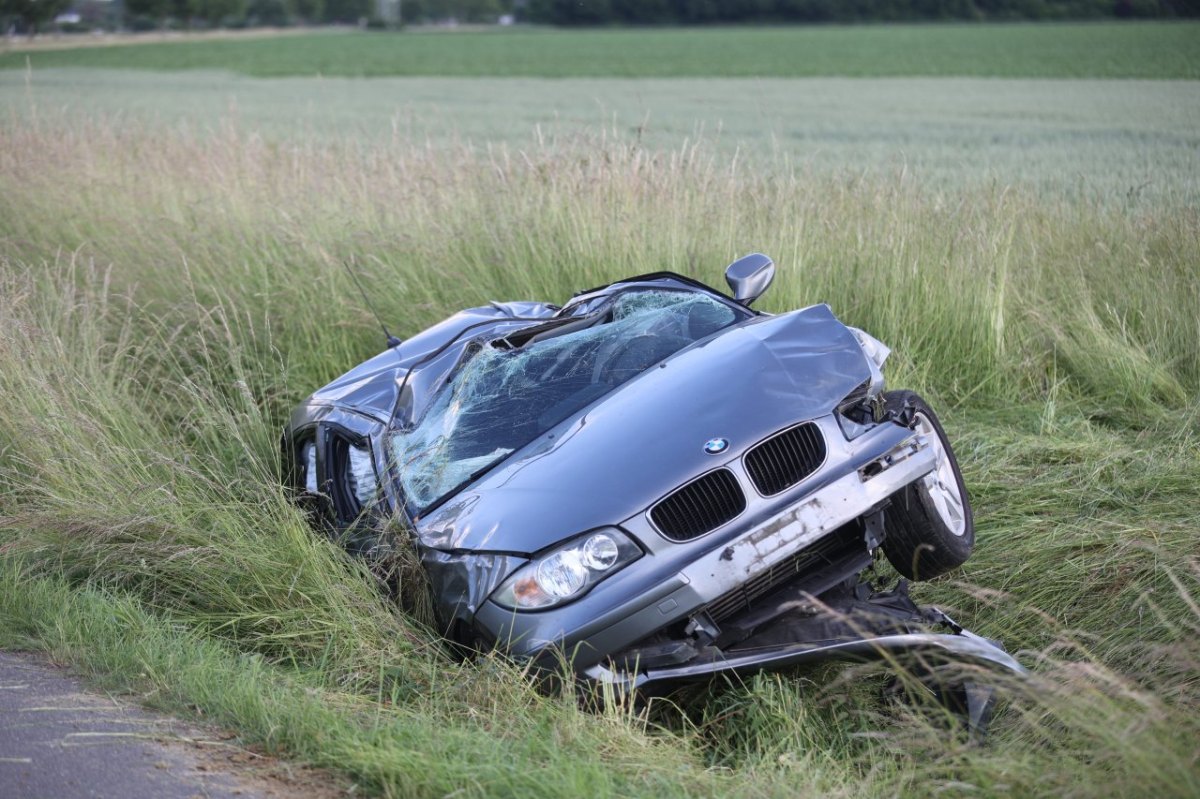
791,628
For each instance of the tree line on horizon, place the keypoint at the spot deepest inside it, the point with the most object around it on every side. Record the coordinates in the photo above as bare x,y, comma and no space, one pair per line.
29,16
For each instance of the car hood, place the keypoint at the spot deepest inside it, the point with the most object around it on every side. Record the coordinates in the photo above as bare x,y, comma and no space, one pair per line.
620,455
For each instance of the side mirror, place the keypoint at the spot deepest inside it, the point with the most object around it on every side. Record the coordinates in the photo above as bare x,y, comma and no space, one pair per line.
749,276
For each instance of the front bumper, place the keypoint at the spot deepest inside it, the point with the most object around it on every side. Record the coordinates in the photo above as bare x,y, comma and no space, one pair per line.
961,645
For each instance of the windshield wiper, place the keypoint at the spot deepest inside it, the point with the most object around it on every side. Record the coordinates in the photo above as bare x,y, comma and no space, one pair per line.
519,338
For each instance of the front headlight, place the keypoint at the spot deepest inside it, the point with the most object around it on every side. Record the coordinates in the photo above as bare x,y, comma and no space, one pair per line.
876,353
567,573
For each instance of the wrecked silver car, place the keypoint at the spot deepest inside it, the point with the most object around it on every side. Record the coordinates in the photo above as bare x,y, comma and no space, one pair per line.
653,481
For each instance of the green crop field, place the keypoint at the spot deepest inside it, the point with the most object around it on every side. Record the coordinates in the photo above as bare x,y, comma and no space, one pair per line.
171,283
1091,50
1127,143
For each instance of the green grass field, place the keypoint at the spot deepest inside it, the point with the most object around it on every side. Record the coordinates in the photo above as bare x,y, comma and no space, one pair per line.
171,284
1131,144
1091,50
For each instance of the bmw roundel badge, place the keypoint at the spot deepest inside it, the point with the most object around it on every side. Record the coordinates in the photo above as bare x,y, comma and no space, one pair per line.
715,446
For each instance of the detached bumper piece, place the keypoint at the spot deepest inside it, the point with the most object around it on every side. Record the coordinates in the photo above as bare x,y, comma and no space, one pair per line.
850,621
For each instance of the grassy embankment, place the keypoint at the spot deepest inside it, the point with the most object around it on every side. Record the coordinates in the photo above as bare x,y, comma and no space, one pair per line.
1070,50
165,300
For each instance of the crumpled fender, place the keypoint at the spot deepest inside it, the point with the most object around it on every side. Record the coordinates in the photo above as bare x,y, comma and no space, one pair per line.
461,582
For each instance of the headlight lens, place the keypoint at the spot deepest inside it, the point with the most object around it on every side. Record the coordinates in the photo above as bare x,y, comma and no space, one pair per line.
875,350
361,475
568,572
562,574
600,552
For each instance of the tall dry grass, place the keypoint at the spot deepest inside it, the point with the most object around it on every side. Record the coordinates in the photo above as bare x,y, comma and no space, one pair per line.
165,299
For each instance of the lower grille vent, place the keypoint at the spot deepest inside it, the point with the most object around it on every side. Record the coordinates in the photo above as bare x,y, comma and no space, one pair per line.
822,552
699,507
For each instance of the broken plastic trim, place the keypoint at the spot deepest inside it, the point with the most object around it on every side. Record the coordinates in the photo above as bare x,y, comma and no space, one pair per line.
897,454
852,622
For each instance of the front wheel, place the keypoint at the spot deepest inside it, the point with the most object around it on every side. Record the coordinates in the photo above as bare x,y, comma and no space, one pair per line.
929,528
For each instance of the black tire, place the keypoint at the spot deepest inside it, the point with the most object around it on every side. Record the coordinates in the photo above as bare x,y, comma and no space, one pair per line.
918,540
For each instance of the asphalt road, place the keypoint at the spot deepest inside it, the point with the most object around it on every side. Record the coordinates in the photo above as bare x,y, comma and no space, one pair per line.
59,740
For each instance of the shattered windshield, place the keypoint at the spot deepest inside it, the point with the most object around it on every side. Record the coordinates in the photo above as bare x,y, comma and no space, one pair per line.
506,393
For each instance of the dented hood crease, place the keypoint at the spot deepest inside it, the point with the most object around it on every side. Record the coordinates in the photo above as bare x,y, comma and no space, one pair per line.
638,443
